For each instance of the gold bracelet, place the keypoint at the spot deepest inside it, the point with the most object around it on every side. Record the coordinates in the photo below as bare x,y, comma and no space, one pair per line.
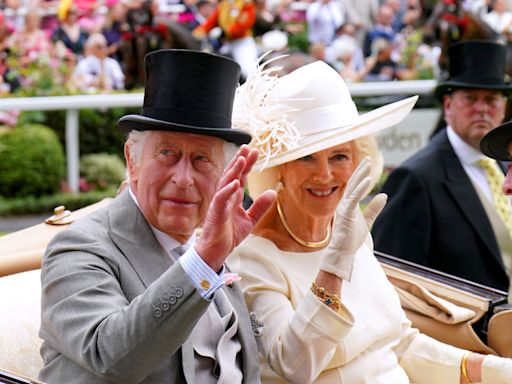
330,299
463,367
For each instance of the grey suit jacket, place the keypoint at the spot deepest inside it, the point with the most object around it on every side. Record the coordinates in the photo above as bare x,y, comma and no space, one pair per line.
116,309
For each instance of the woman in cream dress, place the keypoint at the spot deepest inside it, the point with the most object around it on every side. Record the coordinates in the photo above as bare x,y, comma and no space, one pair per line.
329,314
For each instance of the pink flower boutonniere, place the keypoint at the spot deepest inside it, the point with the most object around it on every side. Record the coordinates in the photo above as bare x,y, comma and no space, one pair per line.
231,278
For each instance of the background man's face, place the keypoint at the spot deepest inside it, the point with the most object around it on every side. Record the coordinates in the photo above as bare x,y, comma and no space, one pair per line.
176,180
474,112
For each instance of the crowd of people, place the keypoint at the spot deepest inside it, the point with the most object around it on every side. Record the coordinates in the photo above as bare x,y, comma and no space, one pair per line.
363,40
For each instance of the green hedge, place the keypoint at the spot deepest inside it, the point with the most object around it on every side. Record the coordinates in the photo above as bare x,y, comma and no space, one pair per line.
46,204
31,161
98,128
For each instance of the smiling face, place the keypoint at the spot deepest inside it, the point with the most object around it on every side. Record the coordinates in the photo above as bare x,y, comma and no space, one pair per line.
175,179
314,184
474,112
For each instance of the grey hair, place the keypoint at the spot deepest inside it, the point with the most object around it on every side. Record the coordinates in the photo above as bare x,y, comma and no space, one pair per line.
259,182
136,140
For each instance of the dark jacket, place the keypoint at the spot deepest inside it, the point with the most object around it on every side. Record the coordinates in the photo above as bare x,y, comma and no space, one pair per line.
434,217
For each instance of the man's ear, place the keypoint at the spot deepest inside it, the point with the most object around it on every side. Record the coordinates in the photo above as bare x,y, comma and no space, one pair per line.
447,104
132,169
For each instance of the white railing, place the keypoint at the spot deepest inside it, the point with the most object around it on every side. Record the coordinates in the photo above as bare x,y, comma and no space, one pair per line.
73,104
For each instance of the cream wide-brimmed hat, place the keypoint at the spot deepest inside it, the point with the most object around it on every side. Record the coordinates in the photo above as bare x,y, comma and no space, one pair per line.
301,113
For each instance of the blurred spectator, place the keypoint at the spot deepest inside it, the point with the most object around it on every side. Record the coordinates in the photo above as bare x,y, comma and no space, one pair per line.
13,12
196,12
89,16
500,17
141,38
345,55
380,66
97,71
317,51
31,41
115,26
366,11
235,18
8,81
382,29
323,18
265,19
49,21
69,33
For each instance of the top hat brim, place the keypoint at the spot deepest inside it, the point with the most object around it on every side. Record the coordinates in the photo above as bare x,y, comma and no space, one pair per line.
143,123
495,143
449,86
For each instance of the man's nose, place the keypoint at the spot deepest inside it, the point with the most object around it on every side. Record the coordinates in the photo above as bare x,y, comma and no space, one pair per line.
183,173
507,183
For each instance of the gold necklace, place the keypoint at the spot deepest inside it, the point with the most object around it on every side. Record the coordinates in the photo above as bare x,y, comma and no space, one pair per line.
309,244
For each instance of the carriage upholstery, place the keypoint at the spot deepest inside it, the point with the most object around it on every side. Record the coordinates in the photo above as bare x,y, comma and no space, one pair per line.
438,309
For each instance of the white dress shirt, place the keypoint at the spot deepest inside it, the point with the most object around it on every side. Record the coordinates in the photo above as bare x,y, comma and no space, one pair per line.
468,157
191,262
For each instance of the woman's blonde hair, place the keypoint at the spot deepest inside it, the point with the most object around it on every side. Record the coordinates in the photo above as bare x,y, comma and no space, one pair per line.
259,182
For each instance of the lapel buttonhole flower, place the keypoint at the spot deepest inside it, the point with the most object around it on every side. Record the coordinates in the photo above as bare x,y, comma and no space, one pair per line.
231,278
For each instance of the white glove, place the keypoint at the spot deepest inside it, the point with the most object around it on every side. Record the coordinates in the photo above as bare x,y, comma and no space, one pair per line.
496,370
350,226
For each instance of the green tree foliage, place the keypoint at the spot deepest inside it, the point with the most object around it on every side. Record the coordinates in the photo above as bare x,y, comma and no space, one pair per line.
31,161
102,170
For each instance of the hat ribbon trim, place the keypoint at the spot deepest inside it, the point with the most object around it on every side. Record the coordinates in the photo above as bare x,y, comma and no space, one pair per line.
322,119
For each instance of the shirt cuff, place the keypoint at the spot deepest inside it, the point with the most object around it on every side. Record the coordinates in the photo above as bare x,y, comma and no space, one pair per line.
205,279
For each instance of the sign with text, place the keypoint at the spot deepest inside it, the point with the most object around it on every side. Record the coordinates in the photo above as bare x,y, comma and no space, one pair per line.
405,139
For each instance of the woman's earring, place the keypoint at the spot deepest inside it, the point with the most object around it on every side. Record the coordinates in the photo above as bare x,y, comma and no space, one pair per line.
279,184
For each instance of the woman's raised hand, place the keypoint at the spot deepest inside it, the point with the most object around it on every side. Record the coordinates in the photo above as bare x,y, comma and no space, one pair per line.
351,227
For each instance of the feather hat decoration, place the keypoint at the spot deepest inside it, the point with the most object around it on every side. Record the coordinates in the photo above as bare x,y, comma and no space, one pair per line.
304,112
258,110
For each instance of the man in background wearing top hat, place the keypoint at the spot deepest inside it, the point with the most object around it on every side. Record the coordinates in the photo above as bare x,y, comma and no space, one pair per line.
441,212
497,144
128,293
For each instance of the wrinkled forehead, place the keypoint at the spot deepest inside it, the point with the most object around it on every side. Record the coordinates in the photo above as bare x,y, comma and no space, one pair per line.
187,141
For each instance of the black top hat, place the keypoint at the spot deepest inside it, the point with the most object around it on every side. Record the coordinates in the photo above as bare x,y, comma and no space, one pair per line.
495,143
476,64
188,91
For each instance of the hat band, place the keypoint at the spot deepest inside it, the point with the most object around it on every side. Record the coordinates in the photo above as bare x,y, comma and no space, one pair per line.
323,119
187,117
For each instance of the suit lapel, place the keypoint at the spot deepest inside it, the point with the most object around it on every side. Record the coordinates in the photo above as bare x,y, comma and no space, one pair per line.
249,347
461,189
142,251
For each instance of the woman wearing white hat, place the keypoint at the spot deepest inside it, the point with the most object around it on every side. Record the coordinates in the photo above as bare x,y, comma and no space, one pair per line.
329,314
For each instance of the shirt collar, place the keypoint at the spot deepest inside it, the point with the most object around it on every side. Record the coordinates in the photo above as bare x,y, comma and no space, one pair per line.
465,152
166,241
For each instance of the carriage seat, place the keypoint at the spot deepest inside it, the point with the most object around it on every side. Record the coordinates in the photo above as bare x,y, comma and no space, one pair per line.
20,315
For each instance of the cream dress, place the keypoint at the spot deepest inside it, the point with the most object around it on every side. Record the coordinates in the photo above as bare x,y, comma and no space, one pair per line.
369,341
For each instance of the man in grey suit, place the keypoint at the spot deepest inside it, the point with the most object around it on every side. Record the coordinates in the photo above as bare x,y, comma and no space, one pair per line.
128,294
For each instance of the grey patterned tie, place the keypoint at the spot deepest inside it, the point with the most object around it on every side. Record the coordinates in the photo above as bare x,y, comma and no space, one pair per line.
180,250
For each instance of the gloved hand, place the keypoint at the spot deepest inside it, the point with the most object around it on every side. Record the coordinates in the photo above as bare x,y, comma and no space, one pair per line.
496,370
350,226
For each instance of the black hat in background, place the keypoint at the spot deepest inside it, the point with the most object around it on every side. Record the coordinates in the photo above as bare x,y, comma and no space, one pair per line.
495,143
188,91
479,64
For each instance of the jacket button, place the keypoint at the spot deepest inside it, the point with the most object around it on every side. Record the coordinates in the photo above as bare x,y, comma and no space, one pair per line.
172,299
179,292
165,305
157,312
